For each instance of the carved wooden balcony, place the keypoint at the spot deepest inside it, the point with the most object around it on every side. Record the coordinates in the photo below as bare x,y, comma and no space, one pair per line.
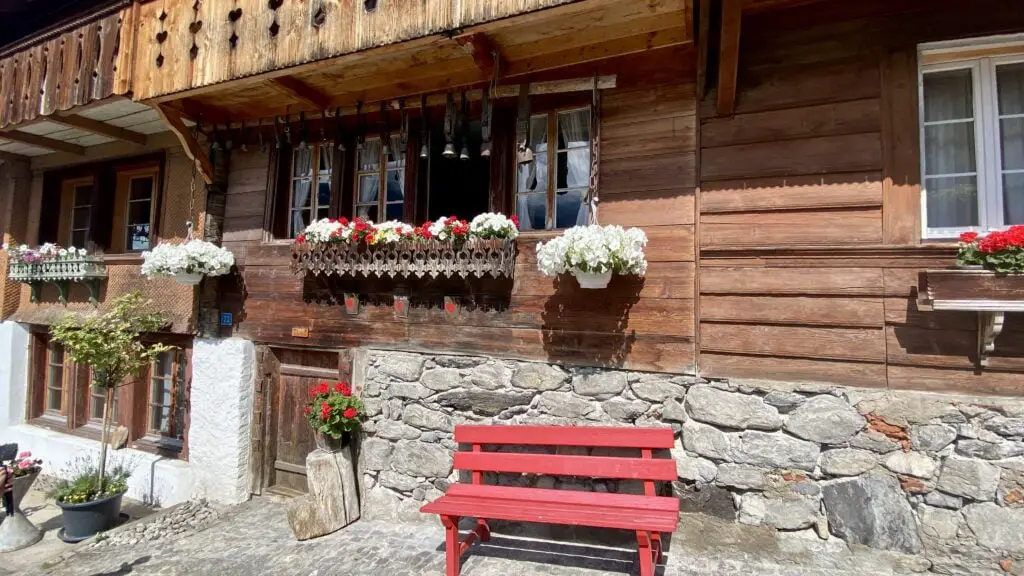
474,258
987,293
90,271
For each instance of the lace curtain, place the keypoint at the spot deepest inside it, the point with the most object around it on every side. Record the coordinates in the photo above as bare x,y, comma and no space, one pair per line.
302,183
575,129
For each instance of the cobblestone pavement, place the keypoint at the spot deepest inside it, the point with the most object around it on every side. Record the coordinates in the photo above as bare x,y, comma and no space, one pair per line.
254,538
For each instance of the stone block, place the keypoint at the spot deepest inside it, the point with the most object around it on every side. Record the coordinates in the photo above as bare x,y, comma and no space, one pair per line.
969,478
913,464
624,410
1005,426
694,469
602,385
825,420
397,481
333,499
989,450
415,458
482,402
536,376
405,391
741,476
874,441
656,388
427,419
565,405
730,410
392,430
931,437
441,379
491,376
784,402
375,454
996,527
942,500
673,411
939,523
847,461
402,366
708,441
704,499
776,451
887,523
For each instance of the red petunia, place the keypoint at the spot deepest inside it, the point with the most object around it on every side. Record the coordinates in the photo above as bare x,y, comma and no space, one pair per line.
350,413
968,237
300,239
343,221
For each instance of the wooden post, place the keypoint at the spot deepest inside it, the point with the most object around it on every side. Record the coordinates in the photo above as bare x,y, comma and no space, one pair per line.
213,231
729,56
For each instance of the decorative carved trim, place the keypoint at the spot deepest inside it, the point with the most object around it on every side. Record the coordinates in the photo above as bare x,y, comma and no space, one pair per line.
474,258
88,271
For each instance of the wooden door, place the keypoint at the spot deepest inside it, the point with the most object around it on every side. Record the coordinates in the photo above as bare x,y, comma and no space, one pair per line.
289,435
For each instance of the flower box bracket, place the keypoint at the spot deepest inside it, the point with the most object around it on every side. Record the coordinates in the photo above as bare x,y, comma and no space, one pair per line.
989,295
93,284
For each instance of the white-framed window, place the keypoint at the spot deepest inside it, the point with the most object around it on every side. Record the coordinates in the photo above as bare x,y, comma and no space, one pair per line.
972,136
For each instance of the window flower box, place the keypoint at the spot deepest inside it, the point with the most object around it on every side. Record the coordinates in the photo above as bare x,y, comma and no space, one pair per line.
51,264
989,294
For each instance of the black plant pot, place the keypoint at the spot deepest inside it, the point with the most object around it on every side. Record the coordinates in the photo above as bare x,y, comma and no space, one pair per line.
84,520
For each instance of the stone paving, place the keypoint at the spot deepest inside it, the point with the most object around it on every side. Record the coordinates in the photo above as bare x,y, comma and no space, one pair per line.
254,539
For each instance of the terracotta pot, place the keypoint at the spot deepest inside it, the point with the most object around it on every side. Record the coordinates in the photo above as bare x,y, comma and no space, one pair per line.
592,281
329,444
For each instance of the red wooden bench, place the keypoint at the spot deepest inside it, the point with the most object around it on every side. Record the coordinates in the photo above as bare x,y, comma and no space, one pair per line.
648,515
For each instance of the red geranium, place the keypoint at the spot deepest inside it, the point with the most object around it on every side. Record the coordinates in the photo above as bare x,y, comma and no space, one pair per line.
350,413
968,237
1002,251
300,239
343,388
515,220
333,410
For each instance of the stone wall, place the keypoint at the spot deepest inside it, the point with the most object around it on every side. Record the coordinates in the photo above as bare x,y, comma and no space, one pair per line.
901,471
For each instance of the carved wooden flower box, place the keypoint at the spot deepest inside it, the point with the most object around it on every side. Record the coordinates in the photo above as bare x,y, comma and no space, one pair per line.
987,293
408,258
90,271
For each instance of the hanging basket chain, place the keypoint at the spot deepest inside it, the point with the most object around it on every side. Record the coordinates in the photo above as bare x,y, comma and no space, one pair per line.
189,225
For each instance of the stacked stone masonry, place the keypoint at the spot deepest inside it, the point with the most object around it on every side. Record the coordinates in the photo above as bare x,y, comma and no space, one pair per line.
909,472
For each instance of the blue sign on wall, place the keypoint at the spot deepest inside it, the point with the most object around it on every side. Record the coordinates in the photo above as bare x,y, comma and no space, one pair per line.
226,319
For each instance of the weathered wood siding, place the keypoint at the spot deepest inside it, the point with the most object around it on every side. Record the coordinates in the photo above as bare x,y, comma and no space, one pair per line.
809,225
648,179
79,66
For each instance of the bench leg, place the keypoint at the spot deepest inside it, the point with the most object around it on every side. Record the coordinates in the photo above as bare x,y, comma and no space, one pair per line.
643,545
483,530
452,549
658,547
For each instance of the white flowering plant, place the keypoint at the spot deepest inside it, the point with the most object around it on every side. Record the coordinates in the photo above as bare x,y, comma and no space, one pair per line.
192,257
594,250
493,226
46,253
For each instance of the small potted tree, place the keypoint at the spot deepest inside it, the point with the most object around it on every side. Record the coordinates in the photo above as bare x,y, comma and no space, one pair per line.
334,413
110,345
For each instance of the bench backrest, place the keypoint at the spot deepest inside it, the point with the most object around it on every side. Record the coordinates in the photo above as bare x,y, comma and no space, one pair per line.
646,467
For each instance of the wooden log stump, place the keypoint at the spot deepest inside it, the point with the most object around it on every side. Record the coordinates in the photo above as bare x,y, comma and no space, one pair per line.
333,499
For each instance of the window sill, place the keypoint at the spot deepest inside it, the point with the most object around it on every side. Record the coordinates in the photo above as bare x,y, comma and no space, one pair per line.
158,445
51,422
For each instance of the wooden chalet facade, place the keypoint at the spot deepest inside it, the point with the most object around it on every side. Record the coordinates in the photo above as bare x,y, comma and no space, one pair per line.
772,150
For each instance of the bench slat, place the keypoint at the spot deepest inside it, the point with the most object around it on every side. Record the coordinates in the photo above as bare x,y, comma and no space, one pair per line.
564,513
595,436
544,496
557,465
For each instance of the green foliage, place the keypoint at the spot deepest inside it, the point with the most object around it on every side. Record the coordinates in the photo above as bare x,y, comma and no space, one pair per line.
109,343
79,483
334,411
968,255
1006,262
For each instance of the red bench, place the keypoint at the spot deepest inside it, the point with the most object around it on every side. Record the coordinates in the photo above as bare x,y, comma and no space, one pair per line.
648,515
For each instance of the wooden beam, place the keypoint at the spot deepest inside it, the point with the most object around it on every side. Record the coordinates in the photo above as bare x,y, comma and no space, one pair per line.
12,157
97,127
175,122
202,113
703,38
302,92
729,56
485,54
42,142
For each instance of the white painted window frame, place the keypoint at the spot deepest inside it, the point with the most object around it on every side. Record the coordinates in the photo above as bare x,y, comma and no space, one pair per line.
988,149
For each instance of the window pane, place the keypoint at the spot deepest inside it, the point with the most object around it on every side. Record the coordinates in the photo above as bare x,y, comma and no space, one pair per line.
367,212
80,218
323,197
326,158
574,129
78,238
574,168
949,148
396,153
948,96
300,219
139,212
180,403
99,399
141,189
1010,79
302,163
532,210
396,185
138,237
53,398
570,210
395,211
1011,136
533,176
1013,198
83,195
952,202
300,193
369,186
369,155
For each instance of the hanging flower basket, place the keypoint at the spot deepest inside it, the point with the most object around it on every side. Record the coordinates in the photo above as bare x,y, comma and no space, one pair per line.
593,254
187,263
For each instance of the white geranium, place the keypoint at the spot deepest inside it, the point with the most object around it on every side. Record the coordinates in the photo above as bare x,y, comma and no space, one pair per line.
493,226
595,250
390,232
439,229
192,257
82,252
326,230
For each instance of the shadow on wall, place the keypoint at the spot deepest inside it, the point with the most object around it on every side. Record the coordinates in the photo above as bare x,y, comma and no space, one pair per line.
593,324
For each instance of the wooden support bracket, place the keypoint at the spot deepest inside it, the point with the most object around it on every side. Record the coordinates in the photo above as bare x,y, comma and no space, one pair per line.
302,92
174,121
486,54
990,326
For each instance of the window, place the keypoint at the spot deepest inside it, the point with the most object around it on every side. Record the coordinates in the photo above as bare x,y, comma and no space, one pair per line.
378,164
54,379
551,189
312,169
972,135
139,219
167,396
97,401
81,213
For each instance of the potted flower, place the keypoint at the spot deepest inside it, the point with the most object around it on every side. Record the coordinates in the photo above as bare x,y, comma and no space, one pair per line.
593,253
110,345
334,413
493,226
1000,251
25,469
187,263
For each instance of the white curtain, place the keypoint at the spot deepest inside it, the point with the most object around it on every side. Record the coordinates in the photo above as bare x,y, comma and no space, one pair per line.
302,183
949,135
369,161
575,129
533,180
